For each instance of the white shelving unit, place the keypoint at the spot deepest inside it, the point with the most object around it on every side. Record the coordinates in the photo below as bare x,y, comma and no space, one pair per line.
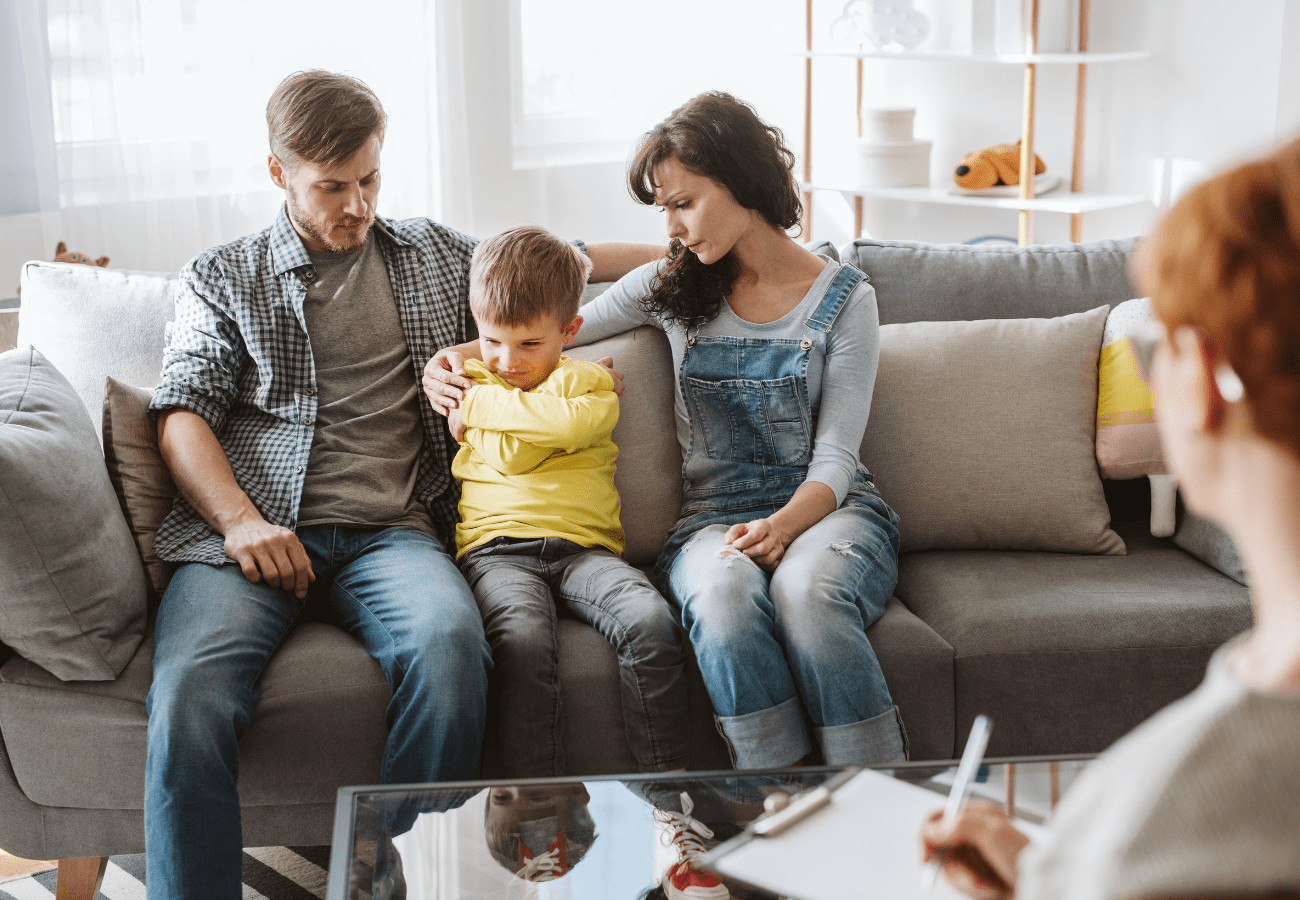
1073,202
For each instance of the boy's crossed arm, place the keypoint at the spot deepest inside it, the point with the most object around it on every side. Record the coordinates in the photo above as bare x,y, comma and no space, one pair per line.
514,431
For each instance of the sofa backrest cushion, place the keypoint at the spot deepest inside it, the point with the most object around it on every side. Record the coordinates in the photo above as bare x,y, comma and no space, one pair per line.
72,599
92,322
649,476
981,434
919,282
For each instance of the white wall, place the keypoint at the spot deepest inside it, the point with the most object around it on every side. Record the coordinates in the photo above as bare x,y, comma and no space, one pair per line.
1224,83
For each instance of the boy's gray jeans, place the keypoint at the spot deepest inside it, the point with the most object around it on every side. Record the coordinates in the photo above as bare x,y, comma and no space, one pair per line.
521,586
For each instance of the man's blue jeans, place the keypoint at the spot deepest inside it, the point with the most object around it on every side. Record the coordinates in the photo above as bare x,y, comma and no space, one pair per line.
396,590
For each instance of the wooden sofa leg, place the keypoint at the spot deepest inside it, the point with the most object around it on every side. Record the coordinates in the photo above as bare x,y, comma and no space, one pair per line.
80,877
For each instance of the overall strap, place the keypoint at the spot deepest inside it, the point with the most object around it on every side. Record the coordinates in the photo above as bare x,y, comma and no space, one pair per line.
844,283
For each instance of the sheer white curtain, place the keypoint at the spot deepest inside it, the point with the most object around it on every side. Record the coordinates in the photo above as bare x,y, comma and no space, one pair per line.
153,112
145,118
551,96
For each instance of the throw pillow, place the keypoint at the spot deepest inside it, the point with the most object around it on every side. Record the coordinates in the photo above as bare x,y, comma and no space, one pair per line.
1128,444
981,434
144,487
72,599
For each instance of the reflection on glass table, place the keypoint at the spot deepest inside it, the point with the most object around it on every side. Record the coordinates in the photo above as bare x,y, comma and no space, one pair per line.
615,838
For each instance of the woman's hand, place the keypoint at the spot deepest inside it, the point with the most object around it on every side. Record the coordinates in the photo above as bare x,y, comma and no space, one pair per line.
980,848
760,541
445,381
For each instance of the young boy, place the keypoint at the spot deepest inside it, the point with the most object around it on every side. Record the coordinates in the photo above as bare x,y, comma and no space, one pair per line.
540,513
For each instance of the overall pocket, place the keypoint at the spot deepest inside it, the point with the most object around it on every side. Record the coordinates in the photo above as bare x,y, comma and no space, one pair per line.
744,420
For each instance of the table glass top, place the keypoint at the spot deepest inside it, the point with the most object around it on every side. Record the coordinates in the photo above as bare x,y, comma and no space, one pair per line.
612,838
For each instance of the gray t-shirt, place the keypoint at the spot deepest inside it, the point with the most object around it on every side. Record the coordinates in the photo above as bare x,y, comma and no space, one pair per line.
368,435
1202,799
839,385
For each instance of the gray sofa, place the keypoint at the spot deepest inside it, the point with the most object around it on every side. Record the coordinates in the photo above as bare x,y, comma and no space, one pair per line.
1066,651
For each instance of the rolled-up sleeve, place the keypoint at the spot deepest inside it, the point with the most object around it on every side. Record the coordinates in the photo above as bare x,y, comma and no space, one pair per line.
202,359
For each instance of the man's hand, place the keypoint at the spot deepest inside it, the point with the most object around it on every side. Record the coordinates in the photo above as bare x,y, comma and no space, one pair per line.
269,553
607,362
980,849
760,541
445,381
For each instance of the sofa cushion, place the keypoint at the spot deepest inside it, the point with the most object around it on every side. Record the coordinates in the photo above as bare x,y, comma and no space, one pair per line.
1067,653
72,598
918,668
981,434
649,476
919,282
144,487
82,744
92,322
1128,443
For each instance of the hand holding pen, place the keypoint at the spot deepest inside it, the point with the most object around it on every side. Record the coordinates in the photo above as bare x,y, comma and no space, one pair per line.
975,844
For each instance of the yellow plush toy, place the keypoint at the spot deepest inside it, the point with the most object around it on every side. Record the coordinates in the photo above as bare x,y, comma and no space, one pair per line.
999,164
63,254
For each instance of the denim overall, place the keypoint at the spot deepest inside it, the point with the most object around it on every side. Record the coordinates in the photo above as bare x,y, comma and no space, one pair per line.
775,648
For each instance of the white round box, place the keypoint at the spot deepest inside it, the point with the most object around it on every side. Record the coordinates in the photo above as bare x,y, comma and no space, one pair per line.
893,125
893,163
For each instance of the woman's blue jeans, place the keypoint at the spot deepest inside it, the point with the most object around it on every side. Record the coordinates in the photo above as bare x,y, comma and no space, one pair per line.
771,647
396,590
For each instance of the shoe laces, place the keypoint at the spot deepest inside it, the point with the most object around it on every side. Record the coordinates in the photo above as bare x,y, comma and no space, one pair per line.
684,832
546,866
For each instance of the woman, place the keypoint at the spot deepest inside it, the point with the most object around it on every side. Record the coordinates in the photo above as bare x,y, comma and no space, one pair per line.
784,552
1203,799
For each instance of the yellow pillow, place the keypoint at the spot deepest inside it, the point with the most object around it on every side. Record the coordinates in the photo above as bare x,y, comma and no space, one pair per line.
1128,444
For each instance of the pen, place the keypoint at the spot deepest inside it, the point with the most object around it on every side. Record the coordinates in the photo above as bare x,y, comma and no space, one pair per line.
971,758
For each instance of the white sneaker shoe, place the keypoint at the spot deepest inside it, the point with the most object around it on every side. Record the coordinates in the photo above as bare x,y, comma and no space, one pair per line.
686,835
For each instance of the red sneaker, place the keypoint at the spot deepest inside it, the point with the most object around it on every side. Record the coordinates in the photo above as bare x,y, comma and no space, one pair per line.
551,865
686,835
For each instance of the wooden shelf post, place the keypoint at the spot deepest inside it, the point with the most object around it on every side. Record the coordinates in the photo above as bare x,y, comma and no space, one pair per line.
1027,130
1080,96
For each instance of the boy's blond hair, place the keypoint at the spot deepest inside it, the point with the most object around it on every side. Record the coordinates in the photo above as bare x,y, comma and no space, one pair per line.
525,273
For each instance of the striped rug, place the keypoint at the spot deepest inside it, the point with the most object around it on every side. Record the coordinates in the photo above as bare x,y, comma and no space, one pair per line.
270,873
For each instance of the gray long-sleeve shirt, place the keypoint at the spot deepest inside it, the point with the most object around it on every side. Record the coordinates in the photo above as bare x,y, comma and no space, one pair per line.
839,386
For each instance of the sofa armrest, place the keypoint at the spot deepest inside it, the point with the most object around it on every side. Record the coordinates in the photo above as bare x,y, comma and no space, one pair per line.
1207,542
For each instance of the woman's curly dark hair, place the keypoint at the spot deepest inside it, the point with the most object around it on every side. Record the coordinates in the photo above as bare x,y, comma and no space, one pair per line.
721,138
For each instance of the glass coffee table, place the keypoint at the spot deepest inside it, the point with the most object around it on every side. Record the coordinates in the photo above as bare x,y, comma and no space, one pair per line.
604,838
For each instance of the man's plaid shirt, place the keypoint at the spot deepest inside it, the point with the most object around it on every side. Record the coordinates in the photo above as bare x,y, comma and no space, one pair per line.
238,355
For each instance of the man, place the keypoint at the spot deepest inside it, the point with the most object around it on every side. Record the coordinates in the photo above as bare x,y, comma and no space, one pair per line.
310,471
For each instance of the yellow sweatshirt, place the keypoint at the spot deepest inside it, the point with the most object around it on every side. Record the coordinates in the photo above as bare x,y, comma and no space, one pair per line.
539,463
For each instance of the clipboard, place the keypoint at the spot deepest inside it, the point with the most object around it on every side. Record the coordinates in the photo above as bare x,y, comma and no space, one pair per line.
860,837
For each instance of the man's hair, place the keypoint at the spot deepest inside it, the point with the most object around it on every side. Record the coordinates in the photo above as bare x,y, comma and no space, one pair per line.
322,117
1226,261
525,273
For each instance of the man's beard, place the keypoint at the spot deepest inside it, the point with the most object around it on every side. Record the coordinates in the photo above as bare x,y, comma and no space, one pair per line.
319,229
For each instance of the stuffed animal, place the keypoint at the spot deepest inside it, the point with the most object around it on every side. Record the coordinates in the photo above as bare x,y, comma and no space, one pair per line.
63,254
999,164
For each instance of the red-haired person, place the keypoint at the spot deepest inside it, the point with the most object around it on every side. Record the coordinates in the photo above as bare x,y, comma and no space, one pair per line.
1204,798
